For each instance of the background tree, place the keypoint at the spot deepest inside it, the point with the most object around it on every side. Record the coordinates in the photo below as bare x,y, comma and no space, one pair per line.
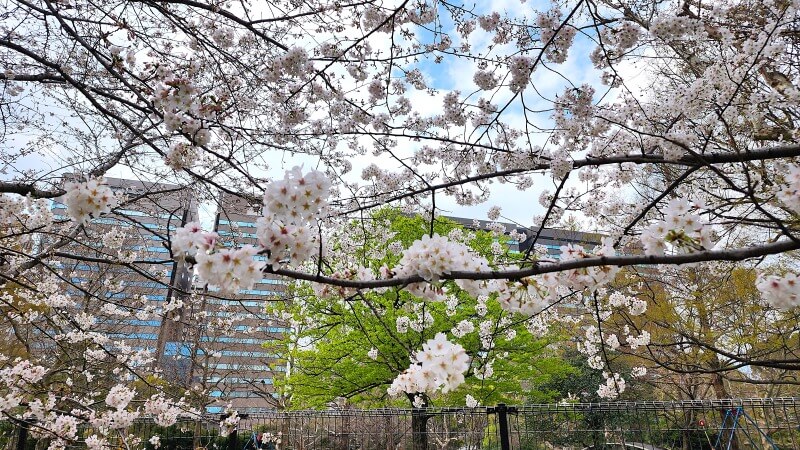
710,333
353,347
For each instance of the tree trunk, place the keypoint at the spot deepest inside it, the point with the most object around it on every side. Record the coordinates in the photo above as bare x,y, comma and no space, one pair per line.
419,429
728,439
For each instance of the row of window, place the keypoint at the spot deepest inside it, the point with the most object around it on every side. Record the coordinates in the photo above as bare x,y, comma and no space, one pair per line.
245,303
94,268
234,340
236,234
235,394
225,339
240,353
256,410
237,223
252,367
233,380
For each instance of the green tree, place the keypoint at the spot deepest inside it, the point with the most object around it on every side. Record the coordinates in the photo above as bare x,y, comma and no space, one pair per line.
351,345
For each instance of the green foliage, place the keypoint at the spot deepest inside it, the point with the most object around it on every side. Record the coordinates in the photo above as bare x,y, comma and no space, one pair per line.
328,352
581,382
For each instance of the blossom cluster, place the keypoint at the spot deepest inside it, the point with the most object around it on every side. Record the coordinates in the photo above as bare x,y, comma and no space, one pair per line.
190,238
590,277
614,43
489,22
681,228
184,108
573,114
16,378
293,63
635,306
433,256
557,35
292,208
639,341
528,296
463,328
520,68
485,80
782,292
439,365
229,269
181,155
119,396
789,192
88,199
614,385
229,423
18,214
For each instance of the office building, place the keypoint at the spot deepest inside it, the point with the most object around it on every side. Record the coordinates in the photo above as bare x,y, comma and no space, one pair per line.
136,233
257,366
198,337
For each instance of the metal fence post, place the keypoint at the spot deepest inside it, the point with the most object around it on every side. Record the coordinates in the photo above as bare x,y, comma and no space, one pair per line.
22,435
502,423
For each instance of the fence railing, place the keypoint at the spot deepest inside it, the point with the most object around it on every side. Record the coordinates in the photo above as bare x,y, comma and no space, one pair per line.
736,424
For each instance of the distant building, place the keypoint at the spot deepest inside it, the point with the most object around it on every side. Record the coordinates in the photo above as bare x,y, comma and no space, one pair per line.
138,230
211,341
550,238
257,366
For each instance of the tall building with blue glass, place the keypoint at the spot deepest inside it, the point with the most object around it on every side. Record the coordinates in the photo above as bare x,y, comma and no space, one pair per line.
138,287
257,365
200,339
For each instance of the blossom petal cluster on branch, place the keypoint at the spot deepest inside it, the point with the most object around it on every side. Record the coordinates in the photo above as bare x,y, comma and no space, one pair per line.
782,292
789,193
292,209
17,378
433,256
440,365
88,199
682,229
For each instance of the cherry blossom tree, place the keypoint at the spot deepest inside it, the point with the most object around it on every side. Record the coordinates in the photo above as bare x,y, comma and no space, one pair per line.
670,126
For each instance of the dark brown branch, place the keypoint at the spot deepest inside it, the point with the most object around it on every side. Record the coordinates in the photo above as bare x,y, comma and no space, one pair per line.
619,261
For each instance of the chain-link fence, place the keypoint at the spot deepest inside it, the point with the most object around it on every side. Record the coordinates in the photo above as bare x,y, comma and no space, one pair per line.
739,424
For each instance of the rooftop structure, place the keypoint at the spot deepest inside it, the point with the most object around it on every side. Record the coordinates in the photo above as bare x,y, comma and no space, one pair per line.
550,238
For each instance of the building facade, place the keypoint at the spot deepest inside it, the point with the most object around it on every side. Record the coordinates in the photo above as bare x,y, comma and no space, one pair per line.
137,235
200,340
257,366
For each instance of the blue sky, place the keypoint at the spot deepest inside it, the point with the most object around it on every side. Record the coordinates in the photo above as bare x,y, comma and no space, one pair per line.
456,74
